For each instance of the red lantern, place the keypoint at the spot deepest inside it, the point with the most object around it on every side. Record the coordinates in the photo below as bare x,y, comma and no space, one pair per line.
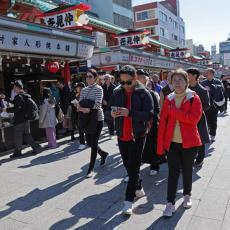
53,66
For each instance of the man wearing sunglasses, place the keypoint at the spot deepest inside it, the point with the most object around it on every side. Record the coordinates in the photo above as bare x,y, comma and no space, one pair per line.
131,106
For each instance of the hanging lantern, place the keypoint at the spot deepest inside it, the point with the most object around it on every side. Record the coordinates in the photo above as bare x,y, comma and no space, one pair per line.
53,66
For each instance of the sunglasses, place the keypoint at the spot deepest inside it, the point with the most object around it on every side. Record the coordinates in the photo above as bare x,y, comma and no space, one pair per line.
89,76
126,83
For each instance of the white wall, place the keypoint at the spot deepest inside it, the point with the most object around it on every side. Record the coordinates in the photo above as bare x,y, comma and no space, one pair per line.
169,28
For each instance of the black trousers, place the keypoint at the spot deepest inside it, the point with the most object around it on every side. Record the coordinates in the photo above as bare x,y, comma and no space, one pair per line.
201,153
92,141
22,134
110,124
226,104
180,159
131,153
211,116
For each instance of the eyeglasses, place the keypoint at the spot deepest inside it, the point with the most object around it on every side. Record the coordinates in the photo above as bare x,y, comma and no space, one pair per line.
106,79
89,76
126,83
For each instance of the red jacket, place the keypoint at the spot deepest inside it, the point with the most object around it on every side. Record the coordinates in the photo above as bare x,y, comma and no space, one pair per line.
188,116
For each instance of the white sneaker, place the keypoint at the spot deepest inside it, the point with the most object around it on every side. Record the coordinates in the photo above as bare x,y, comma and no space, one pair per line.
126,179
140,193
153,172
169,210
81,147
187,201
213,138
90,174
128,208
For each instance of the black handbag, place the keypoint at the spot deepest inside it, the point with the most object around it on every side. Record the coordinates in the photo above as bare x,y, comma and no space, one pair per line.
87,122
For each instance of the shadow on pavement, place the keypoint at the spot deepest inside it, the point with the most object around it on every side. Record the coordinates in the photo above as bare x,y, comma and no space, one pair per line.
102,211
37,197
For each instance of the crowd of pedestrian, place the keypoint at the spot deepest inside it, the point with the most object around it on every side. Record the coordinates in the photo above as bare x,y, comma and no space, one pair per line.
155,122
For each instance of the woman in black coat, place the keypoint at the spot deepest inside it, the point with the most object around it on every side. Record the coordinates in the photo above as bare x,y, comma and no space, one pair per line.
149,154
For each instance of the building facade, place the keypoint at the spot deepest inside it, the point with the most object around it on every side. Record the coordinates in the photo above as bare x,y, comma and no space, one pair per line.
225,52
163,20
118,12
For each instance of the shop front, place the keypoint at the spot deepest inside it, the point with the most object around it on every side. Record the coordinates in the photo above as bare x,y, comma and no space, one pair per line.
115,57
38,55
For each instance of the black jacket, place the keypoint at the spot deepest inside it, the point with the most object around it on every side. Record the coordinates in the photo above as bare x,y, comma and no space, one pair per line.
107,93
64,98
141,109
88,121
226,84
213,85
19,108
202,125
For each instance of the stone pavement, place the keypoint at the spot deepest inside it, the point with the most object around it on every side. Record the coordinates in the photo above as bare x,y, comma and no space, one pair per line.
49,191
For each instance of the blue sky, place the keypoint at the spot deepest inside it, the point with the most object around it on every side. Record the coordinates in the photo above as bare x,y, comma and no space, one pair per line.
206,21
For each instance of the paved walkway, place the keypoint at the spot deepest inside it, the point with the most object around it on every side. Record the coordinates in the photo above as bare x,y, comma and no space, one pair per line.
49,191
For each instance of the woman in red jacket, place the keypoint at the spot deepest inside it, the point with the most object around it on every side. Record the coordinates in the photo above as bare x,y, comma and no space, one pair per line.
178,135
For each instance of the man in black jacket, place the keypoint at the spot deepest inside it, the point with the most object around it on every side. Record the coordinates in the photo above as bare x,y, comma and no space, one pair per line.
212,85
131,106
21,124
108,88
226,85
194,85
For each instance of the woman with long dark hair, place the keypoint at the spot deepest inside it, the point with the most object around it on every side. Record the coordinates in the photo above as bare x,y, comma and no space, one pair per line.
47,118
90,108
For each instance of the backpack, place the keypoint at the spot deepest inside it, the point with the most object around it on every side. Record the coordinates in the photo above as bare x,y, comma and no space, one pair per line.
218,96
30,109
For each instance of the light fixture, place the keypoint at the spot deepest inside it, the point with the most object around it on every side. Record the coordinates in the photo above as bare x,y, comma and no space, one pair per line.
19,58
43,62
28,61
8,57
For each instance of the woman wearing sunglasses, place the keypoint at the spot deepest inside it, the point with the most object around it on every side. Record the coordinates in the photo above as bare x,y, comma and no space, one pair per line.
93,95
132,108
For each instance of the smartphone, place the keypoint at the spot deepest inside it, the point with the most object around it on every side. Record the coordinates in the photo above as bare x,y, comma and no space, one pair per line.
114,108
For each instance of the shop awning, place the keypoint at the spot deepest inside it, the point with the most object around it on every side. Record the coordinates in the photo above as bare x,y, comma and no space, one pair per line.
22,37
106,25
160,44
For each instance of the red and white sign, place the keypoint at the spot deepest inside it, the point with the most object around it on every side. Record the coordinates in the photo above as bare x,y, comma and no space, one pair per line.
179,54
133,39
52,67
68,18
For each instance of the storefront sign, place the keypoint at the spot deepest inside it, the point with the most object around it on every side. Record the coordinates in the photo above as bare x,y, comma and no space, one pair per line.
68,18
136,39
139,60
22,42
84,50
178,54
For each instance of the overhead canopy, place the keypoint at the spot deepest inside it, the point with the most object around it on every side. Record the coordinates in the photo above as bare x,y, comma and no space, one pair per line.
21,37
